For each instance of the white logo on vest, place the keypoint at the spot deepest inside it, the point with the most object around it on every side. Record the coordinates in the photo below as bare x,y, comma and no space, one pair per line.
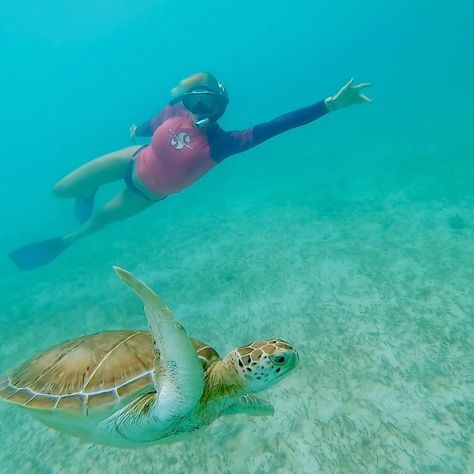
180,140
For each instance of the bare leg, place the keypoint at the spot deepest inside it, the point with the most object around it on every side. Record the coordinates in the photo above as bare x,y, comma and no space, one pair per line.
125,204
85,180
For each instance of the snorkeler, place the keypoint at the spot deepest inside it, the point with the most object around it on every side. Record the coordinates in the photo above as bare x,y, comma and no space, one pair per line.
186,143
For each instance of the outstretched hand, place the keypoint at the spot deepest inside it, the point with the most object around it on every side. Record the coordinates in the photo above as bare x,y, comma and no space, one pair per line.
132,130
348,95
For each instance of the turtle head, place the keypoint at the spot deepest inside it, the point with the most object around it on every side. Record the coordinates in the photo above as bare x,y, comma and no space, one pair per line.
263,363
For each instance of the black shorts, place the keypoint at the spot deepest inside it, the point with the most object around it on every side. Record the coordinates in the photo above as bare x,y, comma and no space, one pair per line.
128,178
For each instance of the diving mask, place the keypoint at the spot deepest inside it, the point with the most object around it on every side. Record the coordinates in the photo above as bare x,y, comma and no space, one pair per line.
206,104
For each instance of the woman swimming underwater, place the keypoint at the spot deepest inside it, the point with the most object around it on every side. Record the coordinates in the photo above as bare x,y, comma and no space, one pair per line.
186,142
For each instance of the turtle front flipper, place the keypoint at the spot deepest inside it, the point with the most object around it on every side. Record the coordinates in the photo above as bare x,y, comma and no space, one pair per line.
249,405
179,377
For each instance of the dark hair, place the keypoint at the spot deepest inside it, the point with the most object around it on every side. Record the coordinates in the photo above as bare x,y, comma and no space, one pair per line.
200,79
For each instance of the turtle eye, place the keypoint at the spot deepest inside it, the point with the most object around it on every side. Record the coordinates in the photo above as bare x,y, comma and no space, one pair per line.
278,359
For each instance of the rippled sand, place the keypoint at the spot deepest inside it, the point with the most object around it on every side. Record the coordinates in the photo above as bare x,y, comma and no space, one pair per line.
371,283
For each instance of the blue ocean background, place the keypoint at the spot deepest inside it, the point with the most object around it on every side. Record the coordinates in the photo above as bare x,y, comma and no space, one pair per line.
351,237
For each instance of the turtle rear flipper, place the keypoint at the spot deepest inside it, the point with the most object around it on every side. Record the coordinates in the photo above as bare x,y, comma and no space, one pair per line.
179,377
250,405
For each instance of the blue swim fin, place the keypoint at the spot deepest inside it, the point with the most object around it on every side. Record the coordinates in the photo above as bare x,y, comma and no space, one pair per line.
83,208
38,254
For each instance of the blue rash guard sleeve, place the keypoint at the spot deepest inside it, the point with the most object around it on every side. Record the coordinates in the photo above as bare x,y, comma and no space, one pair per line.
281,124
224,144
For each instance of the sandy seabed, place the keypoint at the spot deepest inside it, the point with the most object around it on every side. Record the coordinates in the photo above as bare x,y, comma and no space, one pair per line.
375,293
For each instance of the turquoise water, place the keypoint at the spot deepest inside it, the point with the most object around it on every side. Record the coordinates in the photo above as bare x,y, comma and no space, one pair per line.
351,237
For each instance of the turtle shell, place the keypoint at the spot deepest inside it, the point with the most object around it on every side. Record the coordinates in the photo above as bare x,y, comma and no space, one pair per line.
97,372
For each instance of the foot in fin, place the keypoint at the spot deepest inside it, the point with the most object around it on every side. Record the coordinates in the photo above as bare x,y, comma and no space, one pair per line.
83,207
38,254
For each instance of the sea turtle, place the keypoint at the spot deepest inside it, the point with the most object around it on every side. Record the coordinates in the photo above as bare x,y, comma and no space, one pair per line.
135,388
